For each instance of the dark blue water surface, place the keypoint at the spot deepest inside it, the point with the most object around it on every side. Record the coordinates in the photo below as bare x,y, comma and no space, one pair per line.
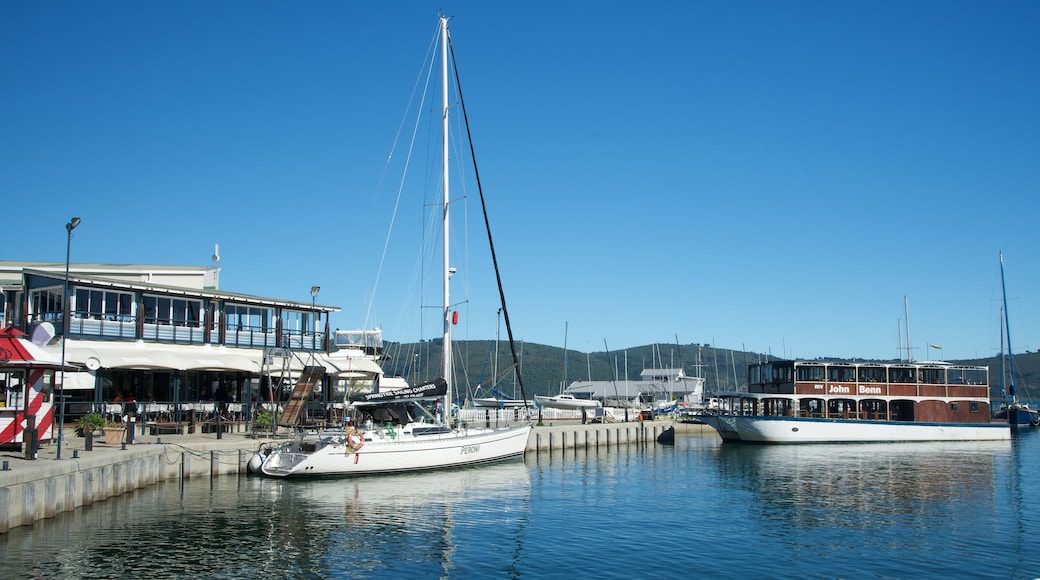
698,509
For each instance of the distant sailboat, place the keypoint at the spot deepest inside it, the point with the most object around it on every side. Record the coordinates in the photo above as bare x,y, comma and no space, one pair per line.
1018,413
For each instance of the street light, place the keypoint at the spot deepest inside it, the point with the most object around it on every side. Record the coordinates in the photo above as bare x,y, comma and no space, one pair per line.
65,307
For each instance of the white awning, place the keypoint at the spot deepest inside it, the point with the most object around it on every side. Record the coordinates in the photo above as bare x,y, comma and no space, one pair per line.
150,356
221,359
78,381
121,356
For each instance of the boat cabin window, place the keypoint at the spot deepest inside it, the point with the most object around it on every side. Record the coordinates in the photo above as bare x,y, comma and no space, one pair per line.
873,375
976,376
753,375
873,409
841,408
777,407
841,374
808,373
902,375
783,372
767,373
966,376
933,376
396,414
775,372
811,407
748,406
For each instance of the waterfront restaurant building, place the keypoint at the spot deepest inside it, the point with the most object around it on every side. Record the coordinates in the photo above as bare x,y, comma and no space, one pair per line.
173,341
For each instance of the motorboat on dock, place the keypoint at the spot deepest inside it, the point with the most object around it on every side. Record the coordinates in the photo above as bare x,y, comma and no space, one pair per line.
566,401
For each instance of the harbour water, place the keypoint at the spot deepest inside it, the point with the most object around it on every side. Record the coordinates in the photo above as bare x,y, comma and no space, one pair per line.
695,509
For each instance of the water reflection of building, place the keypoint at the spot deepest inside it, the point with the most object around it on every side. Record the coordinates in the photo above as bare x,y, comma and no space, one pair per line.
170,335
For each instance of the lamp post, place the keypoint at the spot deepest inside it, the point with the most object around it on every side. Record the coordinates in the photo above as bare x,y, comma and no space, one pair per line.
65,307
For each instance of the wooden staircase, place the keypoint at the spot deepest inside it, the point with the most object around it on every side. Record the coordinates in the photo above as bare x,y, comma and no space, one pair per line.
309,378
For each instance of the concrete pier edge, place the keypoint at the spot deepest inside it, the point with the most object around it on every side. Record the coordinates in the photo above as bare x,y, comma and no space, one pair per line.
31,490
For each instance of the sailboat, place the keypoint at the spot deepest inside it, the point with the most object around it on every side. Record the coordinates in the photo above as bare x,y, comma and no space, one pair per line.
565,400
1018,413
394,432
500,400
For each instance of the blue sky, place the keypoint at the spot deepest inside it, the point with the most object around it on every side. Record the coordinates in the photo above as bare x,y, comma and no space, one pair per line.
769,176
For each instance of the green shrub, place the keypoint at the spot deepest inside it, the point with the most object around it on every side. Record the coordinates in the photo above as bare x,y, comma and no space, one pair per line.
265,419
95,421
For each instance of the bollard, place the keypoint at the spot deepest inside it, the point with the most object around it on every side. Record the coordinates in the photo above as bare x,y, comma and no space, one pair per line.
158,440
6,466
29,443
130,428
122,446
88,439
220,428
75,453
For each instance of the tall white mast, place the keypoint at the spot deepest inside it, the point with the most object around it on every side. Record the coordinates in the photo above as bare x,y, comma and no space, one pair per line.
446,346
906,311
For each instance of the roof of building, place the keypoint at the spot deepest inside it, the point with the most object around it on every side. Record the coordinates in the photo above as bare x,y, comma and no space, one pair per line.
138,285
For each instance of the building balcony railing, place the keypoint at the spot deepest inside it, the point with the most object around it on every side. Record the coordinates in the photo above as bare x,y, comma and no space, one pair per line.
126,328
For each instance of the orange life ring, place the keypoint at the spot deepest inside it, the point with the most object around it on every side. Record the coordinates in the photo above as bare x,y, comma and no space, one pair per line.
355,439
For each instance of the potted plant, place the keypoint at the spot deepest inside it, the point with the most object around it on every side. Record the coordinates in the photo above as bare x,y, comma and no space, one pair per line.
114,432
263,422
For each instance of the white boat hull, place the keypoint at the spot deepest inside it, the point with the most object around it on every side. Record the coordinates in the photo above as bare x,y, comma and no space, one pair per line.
724,428
493,403
756,429
566,403
327,454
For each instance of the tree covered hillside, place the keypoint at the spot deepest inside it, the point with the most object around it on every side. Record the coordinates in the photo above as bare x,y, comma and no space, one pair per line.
543,369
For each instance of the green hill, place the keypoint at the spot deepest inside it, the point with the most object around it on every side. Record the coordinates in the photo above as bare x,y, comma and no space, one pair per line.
543,372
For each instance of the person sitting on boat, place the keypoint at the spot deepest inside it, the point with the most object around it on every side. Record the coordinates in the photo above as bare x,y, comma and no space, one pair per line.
439,411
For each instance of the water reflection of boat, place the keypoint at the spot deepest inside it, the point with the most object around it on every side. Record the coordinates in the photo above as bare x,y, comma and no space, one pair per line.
874,481
408,496
402,525
457,485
